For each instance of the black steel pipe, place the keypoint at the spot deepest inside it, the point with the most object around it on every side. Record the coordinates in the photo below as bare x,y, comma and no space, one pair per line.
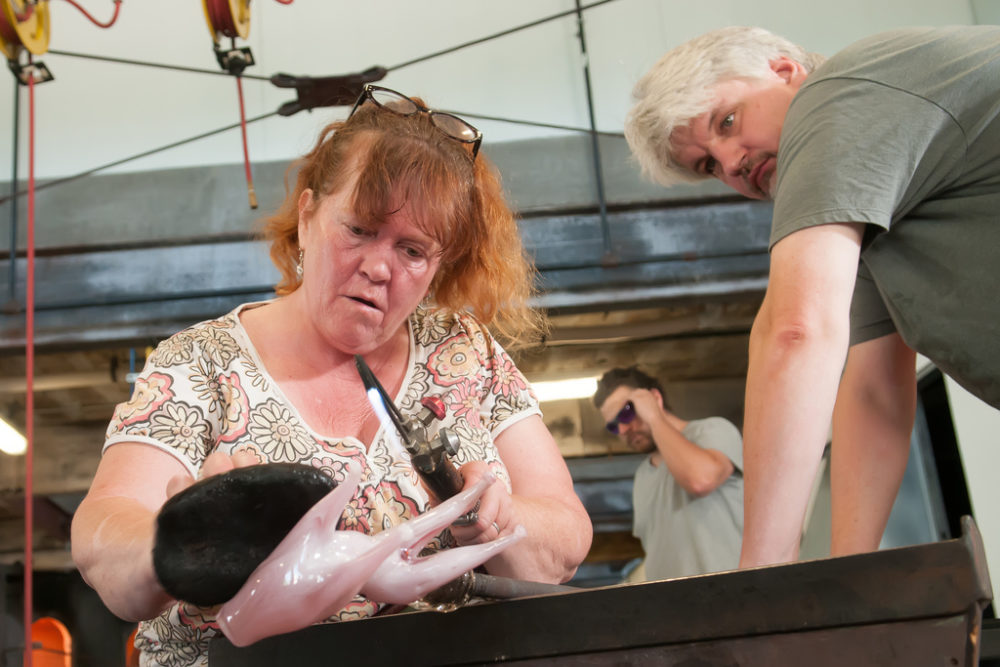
594,144
504,588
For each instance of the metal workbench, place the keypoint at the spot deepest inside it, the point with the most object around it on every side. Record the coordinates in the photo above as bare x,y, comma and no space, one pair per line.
919,605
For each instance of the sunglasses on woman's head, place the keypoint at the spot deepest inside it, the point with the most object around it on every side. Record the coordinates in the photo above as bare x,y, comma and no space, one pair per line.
625,416
398,103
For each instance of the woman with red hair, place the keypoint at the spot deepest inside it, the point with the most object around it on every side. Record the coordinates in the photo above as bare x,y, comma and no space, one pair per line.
395,244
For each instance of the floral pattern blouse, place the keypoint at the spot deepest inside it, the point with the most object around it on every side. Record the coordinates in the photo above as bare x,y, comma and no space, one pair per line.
205,388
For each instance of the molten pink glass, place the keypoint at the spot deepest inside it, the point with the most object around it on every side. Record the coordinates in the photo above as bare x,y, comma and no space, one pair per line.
316,569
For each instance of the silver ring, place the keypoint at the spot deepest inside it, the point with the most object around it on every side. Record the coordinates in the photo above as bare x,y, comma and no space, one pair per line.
497,528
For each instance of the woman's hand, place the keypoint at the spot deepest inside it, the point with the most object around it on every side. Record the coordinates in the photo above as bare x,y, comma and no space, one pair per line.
543,501
215,463
495,509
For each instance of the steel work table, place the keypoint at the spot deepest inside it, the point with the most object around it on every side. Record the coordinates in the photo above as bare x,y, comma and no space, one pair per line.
919,605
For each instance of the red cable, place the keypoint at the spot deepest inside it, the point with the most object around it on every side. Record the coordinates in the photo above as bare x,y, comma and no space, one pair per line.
28,13
221,17
29,402
7,30
246,151
114,17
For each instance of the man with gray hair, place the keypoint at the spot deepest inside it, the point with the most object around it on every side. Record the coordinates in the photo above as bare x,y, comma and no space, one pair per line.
884,166
681,85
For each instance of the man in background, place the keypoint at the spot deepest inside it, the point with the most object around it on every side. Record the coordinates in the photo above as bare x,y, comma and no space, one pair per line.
687,496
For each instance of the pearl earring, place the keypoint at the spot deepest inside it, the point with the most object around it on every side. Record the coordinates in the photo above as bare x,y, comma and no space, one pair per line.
298,267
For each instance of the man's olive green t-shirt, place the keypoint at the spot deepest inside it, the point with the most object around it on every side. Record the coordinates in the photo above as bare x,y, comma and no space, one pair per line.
901,131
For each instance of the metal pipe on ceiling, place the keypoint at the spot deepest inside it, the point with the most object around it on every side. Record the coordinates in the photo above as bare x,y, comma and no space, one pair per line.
55,381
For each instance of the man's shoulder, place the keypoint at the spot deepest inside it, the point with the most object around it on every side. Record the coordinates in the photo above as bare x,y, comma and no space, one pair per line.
711,424
892,54
717,433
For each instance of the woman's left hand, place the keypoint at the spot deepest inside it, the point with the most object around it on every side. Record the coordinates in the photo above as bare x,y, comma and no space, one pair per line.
542,500
495,513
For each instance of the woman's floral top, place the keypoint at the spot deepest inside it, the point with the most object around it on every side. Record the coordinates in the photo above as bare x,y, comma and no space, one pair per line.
205,388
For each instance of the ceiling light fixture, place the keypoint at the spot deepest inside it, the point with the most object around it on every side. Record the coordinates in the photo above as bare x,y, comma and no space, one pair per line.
11,441
562,390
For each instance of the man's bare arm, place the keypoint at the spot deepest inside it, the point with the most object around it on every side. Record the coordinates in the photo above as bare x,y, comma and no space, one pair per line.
798,346
872,422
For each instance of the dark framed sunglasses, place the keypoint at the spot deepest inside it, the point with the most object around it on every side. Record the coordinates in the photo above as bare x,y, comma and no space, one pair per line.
398,103
625,416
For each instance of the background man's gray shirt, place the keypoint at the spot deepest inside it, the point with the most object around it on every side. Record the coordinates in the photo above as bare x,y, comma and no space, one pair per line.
683,535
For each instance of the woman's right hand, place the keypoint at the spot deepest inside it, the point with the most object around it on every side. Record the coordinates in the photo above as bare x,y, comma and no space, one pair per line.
215,463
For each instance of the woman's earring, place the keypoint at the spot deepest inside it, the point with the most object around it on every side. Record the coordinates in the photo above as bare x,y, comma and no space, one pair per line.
298,267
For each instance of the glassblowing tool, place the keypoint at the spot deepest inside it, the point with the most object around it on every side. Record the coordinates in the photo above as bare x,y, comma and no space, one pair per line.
429,454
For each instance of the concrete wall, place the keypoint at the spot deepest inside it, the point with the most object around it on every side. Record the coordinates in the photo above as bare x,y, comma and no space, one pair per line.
977,428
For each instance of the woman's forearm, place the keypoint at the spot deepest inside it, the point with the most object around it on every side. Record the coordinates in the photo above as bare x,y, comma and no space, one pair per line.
112,542
558,539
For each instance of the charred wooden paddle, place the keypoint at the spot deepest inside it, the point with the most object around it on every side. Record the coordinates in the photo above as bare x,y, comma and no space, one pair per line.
211,536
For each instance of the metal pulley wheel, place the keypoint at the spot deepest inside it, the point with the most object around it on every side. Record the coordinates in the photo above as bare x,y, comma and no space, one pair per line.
227,18
24,25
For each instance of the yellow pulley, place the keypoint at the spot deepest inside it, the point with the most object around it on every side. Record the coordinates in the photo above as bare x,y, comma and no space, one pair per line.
24,25
227,18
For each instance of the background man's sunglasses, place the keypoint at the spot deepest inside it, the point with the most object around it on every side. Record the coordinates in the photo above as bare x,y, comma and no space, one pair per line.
624,416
